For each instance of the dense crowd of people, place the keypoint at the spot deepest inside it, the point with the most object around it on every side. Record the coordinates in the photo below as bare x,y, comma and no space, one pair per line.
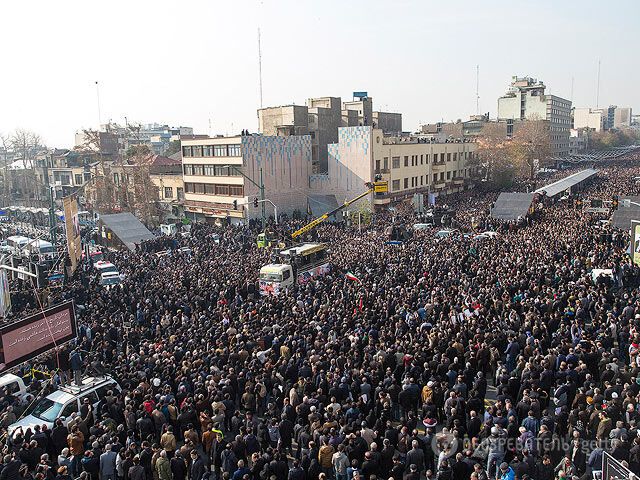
453,358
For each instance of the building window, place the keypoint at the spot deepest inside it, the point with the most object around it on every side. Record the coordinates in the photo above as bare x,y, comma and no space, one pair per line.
168,192
210,170
395,185
199,187
188,187
448,157
395,162
207,151
406,161
385,163
412,182
198,170
222,189
421,180
187,169
235,150
220,150
209,188
236,190
435,177
87,177
377,166
180,193
78,178
455,156
442,176
116,179
197,151
448,175
441,157
187,152
426,157
406,183
421,159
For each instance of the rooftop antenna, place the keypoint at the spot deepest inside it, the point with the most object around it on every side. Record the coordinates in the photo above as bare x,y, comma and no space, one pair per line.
260,66
477,89
98,98
598,87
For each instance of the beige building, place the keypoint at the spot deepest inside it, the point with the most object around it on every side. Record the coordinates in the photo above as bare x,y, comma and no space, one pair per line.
526,100
214,189
589,118
409,165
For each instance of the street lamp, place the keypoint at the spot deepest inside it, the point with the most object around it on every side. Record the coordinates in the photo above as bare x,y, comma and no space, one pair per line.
260,187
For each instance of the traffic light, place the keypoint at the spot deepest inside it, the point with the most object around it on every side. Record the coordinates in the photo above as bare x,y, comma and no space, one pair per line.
235,204
255,202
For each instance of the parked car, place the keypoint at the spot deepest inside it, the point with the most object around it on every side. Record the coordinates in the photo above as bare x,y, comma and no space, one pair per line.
64,401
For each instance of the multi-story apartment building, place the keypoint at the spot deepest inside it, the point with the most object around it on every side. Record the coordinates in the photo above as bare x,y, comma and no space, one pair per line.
409,165
526,100
214,188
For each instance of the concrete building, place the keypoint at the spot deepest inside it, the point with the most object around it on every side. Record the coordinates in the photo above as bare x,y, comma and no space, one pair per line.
283,121
364,106
410,165
588,118
325,117
622,117
166,175
115,139
211,187
390,123
578,141
526,100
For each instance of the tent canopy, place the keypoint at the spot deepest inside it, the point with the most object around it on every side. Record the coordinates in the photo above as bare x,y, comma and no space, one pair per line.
127,228
510,206
566,183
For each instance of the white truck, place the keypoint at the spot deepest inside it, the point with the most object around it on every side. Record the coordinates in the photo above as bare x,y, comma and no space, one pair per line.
297,265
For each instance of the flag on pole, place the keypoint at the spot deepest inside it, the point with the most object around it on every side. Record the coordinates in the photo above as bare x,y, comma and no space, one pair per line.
352,277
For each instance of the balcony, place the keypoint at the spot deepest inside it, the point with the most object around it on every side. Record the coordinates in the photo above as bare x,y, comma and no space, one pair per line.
458,181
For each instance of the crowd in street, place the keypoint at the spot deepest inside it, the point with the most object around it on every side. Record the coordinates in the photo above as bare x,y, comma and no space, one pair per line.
449,359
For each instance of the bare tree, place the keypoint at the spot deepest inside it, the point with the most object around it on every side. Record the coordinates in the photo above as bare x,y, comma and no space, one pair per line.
531,144
493,154
27,144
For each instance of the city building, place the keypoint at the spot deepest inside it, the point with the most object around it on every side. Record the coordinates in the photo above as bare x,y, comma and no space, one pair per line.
166,175
390,123
622,117
410,164
115,139
526,100
321,117
589,118
214,189
578,141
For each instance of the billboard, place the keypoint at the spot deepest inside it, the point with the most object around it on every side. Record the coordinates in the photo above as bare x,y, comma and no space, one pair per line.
72,227
5,295
635,242
36,334
360,95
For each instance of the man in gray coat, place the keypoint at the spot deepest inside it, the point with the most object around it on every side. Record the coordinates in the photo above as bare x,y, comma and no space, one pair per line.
108,463
415,456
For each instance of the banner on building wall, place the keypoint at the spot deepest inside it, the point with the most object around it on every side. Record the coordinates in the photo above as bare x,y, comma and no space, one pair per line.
635,241
72,226
5,295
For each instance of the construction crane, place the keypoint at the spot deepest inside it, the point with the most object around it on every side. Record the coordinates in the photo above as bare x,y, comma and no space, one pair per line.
378,186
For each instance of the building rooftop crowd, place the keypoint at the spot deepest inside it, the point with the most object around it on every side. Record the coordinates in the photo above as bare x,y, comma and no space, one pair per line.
446,359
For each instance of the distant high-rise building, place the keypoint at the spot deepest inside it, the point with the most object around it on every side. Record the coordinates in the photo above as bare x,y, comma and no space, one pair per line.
526,100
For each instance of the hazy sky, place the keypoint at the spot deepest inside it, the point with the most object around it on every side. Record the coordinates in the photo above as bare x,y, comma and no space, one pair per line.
194,62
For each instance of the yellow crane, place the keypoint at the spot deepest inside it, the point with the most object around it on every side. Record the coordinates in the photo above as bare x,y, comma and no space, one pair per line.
378,186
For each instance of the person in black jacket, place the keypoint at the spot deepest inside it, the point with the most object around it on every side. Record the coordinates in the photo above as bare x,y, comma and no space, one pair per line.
295,472
178,467
198,468
59,436
145,460
11,470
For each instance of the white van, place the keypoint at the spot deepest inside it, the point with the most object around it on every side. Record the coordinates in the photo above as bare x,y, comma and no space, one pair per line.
16,243
45,250
104,267
65,401
14,385
108,279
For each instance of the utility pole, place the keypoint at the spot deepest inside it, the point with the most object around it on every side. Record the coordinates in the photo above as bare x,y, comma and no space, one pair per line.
264,216
52,206
260,66
598,87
